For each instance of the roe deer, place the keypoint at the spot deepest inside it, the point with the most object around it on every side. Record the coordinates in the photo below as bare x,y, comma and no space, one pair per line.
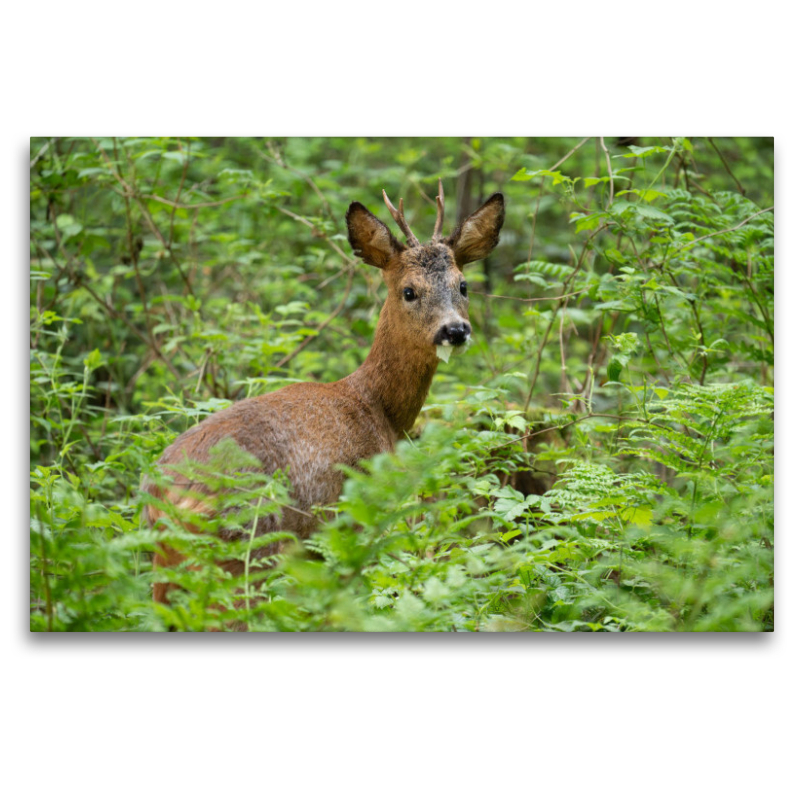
309,428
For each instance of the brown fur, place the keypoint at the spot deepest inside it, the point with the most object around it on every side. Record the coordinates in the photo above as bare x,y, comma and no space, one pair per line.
309,428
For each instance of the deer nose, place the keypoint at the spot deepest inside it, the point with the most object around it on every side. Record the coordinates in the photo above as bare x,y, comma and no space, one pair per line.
454,334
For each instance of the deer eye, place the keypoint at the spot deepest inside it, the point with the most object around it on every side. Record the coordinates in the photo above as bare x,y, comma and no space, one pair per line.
463,288
409,294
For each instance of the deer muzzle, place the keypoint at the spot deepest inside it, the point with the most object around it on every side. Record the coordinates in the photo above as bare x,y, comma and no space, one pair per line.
453,334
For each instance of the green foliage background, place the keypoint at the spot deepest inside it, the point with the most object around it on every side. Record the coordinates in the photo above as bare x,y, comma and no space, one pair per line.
600,459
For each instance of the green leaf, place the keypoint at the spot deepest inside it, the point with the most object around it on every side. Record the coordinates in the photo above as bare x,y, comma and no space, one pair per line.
175,155
615,257
521,175
93,360
643,152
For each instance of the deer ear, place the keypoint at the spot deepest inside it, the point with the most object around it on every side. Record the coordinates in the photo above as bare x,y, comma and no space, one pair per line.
479,233
370,239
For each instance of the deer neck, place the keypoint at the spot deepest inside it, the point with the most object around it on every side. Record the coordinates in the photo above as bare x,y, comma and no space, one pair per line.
396,375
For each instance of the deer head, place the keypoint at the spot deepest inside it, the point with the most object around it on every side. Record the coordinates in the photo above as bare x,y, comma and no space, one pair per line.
428,299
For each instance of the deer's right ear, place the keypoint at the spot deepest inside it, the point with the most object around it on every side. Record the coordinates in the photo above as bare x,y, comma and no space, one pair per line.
370,239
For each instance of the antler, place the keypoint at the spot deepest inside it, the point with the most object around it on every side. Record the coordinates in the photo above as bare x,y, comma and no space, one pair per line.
400,219
437,230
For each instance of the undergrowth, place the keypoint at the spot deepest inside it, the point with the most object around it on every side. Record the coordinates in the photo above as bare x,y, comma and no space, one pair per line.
600,460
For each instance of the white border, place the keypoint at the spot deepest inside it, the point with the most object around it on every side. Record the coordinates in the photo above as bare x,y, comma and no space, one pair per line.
392,716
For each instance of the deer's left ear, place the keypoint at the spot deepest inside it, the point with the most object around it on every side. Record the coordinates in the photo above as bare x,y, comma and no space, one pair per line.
479,233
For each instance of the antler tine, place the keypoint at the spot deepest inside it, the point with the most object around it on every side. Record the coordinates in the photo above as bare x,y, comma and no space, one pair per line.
437,230
400,219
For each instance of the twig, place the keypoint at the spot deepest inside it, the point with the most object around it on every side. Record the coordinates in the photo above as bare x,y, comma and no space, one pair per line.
727,168
180,189
761,308
332,278
41,152
574,149
525,299
276,158
202,370
308,223
572,422
645,269
610,174
48,601
167,249
539,196
133,250
561,348
595,358
534,218
145,213
139,335
189,206
552,319
286,359
726,230
672,152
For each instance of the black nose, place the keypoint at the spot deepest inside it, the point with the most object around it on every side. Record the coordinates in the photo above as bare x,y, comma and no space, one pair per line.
455,334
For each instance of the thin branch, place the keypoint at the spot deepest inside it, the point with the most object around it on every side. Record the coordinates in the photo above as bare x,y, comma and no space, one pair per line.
189,206
541,187
561,348
762,309
726,230
572,422
335,313
133,250
167,249
44,148
308,223
526,299
562,302
145,213
610,174
727,168
574,149
180,189
534,218
276,158
598,352
139,335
